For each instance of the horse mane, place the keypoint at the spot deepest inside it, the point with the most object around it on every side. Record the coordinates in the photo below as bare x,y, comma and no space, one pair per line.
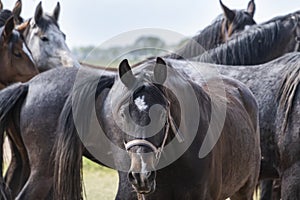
252,43
4,15
208,38
287,93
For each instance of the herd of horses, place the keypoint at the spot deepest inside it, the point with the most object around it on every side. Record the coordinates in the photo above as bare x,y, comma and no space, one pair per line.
217,135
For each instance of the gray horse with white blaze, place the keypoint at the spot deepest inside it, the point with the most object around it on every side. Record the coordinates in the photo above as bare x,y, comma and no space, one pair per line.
46,41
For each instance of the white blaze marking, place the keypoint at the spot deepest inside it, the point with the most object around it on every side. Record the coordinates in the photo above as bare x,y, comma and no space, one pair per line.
27,52
143,164
140,103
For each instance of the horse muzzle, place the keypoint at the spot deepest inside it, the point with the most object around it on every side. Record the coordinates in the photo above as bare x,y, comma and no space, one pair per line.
143,183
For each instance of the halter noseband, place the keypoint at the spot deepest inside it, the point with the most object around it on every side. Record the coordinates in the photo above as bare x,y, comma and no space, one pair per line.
145,143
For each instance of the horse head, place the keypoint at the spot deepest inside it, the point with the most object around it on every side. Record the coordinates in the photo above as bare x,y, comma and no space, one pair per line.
236,20
16,61
46,41
143,121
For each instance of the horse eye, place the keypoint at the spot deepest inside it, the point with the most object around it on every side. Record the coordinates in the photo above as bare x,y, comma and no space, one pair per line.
122,115
44,38
17,54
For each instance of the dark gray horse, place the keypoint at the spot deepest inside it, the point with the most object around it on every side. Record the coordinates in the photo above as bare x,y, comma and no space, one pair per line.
220,31
31,100
170,106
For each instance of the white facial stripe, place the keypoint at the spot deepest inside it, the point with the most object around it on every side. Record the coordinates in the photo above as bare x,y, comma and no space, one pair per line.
143,164
27,52
140,103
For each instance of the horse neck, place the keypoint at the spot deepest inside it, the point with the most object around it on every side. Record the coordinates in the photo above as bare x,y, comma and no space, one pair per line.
5,73
254,48
208,38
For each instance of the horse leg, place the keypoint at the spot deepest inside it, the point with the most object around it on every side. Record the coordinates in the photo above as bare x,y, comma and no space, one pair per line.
18,170
266,187
247,191
290,182
38,148
39,183
14,171
276,190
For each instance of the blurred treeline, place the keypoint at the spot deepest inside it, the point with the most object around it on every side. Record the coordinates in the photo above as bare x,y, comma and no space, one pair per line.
141,48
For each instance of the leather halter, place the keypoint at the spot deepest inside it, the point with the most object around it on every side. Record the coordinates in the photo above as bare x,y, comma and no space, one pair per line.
145,143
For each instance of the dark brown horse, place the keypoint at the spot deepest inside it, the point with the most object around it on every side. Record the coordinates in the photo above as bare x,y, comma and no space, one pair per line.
16,61
169,135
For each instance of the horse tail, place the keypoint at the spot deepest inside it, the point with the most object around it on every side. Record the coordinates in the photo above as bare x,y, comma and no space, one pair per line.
68,148
67,154
9,99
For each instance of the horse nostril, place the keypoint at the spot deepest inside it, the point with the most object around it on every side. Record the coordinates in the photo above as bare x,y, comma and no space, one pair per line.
133,177
151,176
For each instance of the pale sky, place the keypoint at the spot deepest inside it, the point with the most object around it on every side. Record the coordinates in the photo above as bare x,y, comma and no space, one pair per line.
91,22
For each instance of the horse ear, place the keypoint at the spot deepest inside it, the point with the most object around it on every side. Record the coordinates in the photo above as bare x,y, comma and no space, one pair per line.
1,5
38,12
56,12
8,29
126,74
160,71
22,27
17,9
251,8
229,14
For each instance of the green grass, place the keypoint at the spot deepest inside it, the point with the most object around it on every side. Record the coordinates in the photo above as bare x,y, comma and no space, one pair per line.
99,182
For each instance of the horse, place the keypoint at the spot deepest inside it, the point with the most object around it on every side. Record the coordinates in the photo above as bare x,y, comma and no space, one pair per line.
275,87
32,178
17,64
15,12
127,109
264,42
220,31
46,41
